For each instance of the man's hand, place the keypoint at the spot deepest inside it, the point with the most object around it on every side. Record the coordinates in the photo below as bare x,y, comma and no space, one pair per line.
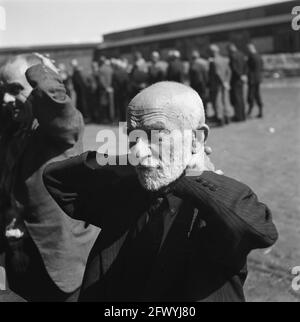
226,86
207,165
44,77
244,79
109,90
47,62
13,231
208,150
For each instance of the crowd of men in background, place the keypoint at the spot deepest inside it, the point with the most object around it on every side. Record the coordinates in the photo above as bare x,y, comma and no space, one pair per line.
44,253
103,95
50,220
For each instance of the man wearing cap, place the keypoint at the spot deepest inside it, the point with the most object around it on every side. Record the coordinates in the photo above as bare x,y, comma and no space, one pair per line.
173,229
47,251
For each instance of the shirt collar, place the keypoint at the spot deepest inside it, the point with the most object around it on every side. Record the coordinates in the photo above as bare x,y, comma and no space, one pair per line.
173,201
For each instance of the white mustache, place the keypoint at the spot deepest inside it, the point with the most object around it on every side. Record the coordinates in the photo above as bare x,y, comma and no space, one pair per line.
149,163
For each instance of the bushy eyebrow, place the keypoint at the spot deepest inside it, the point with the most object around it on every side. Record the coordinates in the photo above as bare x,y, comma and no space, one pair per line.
6,87
156,126
14,84
165,131
149,132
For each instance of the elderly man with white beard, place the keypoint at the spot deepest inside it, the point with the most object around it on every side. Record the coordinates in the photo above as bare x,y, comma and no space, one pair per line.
172,229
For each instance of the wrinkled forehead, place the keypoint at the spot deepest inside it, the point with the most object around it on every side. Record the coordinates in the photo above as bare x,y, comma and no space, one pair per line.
158,112
14,72
150,117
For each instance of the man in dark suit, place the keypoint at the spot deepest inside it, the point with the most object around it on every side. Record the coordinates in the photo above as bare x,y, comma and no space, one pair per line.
105,73
173,229
219,80
6,295
80,88
120,84
198,73
92,87
238,78
175,71
47,251
255,67
157,68
6,128
139,77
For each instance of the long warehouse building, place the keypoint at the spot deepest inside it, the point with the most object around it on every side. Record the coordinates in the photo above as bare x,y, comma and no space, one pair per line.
268,27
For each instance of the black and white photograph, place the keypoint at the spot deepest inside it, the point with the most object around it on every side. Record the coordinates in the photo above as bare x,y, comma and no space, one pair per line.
149,153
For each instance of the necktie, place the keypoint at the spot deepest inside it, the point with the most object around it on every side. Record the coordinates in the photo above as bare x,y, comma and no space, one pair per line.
141,251
154,228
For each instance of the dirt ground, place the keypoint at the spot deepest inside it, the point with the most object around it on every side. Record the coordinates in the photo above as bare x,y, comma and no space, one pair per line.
264,154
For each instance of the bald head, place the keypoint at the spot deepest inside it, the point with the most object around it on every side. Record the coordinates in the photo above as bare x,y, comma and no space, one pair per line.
214,49
175,105
251,48
232,48
12,76
15,87
173,131
16,66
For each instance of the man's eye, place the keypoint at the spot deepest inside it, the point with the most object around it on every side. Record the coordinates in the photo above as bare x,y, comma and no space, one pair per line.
15,89
131,144
159,136
165,132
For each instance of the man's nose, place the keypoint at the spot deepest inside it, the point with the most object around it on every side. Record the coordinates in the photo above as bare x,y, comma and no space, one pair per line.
7,98
142,149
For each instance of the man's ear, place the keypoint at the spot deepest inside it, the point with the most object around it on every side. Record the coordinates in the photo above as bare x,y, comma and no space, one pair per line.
199,137
205,129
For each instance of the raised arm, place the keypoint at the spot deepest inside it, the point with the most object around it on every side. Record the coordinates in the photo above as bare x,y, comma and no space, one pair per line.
58,119
235,221
85,190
